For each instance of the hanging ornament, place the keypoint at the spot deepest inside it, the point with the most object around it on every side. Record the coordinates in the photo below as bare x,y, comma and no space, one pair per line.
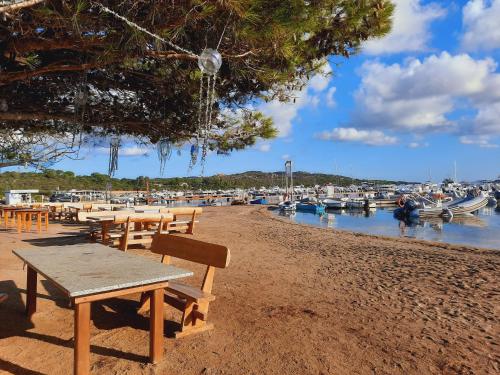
164,148
209,62
114,146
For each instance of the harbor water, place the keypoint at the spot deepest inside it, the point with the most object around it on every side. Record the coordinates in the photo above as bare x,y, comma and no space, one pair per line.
482,229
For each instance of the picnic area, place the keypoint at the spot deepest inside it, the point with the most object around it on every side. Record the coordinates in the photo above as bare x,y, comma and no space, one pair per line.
293,299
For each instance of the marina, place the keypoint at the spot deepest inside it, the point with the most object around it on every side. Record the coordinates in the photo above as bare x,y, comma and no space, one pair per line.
481,229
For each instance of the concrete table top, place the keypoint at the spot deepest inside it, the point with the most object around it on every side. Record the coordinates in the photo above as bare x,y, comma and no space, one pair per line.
87,269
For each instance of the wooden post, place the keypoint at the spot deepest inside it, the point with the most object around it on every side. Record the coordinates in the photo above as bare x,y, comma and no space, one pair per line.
156,326
31,292
39,222
19,216
47,220
81,364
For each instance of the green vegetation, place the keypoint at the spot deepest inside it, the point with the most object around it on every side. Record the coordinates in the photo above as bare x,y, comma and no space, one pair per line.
73,71
51,180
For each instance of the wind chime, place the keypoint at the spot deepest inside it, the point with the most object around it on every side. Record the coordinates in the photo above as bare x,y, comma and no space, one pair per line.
209,62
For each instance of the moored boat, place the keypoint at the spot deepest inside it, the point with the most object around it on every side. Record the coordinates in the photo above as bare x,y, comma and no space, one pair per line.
259,201
316,208
287,206
335,203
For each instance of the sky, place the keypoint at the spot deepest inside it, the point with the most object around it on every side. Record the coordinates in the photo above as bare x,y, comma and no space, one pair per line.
407,107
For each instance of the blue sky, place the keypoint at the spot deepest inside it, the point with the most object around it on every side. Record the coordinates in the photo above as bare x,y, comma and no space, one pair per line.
407,107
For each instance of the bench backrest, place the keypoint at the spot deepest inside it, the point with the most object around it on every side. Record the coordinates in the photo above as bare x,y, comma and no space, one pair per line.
142,218
182,210
192,250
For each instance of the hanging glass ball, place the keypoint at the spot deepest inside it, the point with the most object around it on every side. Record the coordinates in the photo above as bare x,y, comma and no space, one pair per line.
210,61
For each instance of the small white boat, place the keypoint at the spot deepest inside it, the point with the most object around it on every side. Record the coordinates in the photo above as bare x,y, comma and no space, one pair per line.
335,203
355,203
361,203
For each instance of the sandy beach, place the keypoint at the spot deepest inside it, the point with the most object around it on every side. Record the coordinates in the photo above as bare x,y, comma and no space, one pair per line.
294,300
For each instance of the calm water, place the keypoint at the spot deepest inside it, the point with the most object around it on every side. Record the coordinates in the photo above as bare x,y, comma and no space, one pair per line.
480,230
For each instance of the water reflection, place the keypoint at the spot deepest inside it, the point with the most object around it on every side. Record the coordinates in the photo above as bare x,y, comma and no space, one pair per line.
481,229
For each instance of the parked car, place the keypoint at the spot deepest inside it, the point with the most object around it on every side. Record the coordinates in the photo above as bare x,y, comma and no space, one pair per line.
64,198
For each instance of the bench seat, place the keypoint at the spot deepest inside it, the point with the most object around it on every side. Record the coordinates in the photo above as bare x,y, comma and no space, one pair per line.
189,292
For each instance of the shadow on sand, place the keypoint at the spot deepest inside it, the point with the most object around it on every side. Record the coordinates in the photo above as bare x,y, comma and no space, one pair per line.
106,315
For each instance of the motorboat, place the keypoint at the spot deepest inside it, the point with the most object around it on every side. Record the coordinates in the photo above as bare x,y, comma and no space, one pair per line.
316,208
337,204
287,206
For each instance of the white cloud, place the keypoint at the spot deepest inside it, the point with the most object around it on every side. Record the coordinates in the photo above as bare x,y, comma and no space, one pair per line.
483,141
264,147
481,20
126,151
410,29
285,157
284,113
321,80
369,137
419,96
418,144
330,99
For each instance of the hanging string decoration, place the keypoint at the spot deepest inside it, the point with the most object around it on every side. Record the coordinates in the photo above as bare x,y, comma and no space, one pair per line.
114,146
164,149
209,62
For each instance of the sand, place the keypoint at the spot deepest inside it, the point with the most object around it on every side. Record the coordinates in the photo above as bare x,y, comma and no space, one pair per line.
294,300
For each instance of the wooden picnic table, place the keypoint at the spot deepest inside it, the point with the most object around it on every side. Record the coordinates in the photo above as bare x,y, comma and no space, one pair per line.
24,218
9,212
92,272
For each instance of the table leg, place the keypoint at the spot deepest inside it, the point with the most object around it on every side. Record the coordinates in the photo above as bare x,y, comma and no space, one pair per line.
29,222
6,219
104,232
31,292
47,221
82,339
19,219
156,326
39,222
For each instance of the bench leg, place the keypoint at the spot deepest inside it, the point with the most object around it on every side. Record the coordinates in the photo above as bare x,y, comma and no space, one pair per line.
190,324
145,303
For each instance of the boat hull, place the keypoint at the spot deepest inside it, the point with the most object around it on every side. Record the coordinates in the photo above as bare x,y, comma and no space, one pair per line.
313,208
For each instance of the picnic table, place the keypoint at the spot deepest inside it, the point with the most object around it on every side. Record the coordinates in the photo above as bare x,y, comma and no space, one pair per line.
93,272
24,218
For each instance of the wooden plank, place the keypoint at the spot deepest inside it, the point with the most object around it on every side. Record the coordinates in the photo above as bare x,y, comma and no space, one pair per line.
82,339
156,326
190,292
192,250
121,292
31,292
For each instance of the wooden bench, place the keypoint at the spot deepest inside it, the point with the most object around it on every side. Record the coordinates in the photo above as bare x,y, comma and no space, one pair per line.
192,301
139,229
180,224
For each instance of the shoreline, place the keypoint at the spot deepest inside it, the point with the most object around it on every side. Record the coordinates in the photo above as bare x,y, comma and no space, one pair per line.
444,245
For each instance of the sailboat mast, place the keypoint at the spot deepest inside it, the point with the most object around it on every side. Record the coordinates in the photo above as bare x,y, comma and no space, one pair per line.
291,179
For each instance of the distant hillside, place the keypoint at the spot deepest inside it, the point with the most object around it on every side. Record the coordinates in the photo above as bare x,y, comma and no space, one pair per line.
51,180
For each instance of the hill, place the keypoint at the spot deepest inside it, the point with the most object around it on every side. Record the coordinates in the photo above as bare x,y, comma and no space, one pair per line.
51,180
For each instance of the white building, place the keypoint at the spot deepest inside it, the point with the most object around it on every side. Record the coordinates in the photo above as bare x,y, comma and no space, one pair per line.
19,196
